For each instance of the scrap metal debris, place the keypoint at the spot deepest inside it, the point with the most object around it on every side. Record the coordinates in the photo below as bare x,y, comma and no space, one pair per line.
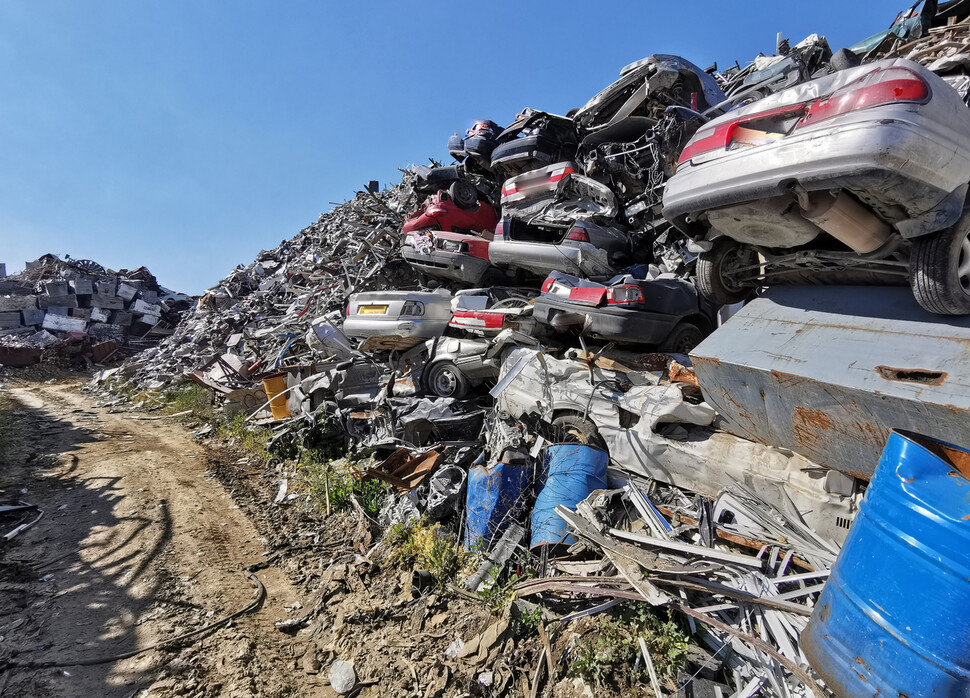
504,345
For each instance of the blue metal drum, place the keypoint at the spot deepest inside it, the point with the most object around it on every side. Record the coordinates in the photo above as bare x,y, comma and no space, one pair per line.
495,496
572,472
894,617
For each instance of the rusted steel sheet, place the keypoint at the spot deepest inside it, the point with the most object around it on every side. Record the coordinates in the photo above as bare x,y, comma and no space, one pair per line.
828,371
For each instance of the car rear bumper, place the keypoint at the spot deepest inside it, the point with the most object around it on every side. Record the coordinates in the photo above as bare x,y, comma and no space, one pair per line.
617,324
393,327
448,265
581,259
904,160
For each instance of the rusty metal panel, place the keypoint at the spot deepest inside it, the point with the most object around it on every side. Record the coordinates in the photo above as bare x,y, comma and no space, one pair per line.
828,371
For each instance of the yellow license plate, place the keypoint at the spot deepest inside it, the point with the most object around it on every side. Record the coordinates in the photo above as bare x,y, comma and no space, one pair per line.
373,309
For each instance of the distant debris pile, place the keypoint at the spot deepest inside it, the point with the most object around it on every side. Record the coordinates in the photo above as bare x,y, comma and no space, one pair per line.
79,302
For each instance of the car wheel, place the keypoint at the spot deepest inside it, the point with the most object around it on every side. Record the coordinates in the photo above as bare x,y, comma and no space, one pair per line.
464,194
573,428
940,269
494,277
682,339
715,268
446,380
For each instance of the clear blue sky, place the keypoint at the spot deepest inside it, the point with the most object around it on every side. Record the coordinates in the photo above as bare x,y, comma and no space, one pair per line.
187,135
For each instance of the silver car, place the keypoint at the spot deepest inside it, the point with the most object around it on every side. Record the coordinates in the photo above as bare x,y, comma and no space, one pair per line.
860,176
409,314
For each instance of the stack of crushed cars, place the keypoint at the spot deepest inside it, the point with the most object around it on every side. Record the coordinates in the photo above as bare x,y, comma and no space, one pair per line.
56,301
505,338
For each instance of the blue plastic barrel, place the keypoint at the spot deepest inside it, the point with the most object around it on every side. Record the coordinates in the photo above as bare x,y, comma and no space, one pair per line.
572,471
894,617
494,495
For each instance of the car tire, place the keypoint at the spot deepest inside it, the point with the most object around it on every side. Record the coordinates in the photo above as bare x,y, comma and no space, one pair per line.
940,269
464,194
574,429
494,277
682,339
444,379
713,265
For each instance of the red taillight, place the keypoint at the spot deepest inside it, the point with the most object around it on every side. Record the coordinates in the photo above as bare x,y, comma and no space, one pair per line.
871,90
500,230
547,284
881,86
586,294
481,319
720,135
560,174
508,189
621,295
578,234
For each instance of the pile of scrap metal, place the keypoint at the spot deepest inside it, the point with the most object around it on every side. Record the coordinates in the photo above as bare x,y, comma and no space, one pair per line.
479,330
256,320
56,302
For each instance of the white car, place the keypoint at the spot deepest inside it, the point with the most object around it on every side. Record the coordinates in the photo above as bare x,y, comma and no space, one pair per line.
858,176
406,314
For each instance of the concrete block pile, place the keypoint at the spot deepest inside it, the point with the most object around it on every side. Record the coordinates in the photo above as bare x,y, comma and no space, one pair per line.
55,299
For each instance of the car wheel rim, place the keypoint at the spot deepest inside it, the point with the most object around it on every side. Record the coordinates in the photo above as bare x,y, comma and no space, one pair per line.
963,265
445,383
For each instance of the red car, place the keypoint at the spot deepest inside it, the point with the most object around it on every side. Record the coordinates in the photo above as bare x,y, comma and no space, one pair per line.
441,212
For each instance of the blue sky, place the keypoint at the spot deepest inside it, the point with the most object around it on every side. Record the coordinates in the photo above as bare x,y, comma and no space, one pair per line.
188,135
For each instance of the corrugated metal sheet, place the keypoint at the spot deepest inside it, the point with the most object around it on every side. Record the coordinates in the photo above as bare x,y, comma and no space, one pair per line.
892,619
827,371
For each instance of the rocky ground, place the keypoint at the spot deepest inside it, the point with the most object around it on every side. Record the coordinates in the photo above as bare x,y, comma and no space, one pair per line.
150,533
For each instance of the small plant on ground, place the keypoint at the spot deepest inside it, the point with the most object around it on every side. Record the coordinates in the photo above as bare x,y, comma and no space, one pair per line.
325,480
605,656
428,547
190,397
251,439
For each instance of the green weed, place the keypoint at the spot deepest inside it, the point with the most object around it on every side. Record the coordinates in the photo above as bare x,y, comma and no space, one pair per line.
191,397
251,439
605,656
427,547
323,477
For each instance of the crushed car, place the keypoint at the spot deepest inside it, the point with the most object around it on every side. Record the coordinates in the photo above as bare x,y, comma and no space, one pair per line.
403,318
661,310
535,139
584,248
859,176
633,130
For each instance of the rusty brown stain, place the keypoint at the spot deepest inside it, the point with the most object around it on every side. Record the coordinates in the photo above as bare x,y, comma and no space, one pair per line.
786,378
860,660
807,425
917,376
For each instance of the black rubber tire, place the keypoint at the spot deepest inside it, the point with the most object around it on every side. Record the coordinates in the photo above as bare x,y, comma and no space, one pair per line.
464,194
843,59
575,429
444,379
710,271
938,283
682,339
494,277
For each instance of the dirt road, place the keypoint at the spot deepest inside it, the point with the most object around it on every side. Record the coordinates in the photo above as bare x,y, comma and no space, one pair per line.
138,543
